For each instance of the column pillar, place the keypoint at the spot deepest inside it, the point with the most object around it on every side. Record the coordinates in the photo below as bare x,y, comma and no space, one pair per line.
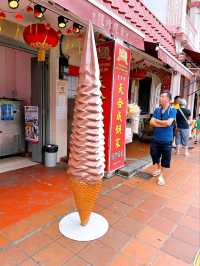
175,84
53,77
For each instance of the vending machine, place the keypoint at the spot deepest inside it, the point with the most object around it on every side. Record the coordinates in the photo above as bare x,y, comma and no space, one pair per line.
11,127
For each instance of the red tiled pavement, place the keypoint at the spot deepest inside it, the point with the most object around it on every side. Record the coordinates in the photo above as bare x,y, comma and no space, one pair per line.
149,225
31,190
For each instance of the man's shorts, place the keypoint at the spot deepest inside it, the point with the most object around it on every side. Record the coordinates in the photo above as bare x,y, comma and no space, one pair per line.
161,152
182,137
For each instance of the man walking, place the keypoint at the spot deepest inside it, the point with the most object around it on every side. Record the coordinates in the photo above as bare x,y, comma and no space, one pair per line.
183,127
161,145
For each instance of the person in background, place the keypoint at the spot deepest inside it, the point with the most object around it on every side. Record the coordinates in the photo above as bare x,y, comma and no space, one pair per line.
175,105
183,127
161,145
197,130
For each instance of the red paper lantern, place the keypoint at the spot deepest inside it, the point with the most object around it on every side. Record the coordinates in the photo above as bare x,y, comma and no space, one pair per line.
41,38
29,9
19,17
2,15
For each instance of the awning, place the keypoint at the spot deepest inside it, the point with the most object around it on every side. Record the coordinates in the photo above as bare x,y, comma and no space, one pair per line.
169,59
105,19
195,56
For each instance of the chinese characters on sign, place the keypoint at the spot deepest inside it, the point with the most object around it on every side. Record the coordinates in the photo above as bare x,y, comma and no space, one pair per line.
114,61
119,106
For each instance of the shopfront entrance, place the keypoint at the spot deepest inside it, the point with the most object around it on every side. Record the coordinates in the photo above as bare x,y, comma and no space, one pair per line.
23,86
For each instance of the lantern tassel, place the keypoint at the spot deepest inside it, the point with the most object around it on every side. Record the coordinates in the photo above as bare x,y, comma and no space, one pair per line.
41,55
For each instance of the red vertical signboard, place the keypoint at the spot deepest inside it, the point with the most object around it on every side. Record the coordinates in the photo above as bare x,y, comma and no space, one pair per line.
114,62
106,59
119,106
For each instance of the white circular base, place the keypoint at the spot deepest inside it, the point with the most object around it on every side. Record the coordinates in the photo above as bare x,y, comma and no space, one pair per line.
70,227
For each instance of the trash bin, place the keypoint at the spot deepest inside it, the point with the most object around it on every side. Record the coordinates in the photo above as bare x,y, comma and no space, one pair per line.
50,155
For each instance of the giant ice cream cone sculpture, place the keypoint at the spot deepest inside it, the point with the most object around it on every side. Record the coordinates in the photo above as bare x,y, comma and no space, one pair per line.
86,160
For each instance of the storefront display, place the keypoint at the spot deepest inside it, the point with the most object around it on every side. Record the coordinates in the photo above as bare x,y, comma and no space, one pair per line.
11,128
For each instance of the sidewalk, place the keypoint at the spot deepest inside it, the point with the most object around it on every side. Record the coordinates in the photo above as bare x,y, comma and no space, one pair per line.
149,225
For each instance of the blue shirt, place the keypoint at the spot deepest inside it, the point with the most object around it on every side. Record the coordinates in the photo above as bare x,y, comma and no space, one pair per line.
164,134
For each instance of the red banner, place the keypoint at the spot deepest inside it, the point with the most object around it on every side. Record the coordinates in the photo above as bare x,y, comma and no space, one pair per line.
114,62
119,106
105,56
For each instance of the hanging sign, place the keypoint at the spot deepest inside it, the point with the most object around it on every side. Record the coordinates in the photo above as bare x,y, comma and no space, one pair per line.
31,124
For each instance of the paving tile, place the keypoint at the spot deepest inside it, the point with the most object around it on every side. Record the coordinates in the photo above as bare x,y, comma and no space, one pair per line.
176,205
52,231
185,234
74,246
35,243
170,214
134,182
128,226
140,215
29,262
135,197
191,222
104,201
194,212
167,260
162,224
97,254
59,209
120,208
115,194
53,255
18,230
140,253
3,241
76,261
97,208
114,239
152,237
110,216
153,203
12,257
125,189
125,261
180,250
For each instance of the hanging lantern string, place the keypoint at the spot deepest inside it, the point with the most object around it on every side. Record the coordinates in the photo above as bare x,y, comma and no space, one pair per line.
32,2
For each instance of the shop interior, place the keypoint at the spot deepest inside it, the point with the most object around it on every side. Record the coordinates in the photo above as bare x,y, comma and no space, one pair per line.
15,93
147,78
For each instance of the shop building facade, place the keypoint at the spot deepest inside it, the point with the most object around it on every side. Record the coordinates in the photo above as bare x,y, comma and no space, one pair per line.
129,23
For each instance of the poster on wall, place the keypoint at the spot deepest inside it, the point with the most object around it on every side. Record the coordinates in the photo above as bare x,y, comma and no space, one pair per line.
31,124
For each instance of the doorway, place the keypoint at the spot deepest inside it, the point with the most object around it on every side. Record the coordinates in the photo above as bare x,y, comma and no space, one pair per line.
144,94
23,82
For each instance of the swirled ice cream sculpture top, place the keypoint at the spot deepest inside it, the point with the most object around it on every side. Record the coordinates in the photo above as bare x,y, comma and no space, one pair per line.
86,160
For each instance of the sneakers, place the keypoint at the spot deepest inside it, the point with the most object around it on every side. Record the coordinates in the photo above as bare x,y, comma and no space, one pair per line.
156,172
161,180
